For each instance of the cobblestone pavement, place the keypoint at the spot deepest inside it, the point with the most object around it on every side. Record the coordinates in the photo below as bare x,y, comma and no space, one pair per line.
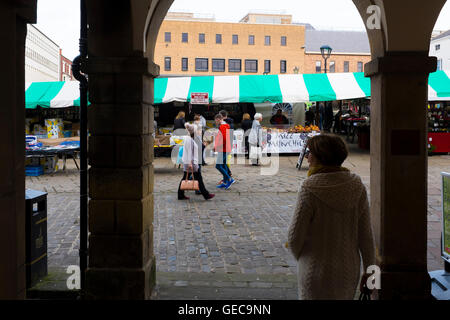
240,233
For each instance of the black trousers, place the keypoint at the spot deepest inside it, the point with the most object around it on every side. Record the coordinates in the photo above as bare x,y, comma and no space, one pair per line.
198,177
247,148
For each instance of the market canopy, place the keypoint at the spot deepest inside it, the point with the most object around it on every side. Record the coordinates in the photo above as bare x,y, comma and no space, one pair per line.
290,88
57,94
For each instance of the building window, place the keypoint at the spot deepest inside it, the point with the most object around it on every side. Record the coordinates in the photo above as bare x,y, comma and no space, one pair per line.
267,40
201,64
184,37
167,37
201,38
184,64
235,39
318,66
283,40
218,65
251,66
234,65
266,66
218,38
283,66
439,64
251,40
167,64
332,66
438,47
360,66
346,66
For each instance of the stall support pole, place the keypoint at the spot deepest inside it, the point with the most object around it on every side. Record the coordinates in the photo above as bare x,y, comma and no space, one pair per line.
76,68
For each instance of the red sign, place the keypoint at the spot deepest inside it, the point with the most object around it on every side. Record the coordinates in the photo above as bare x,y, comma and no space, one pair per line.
199,98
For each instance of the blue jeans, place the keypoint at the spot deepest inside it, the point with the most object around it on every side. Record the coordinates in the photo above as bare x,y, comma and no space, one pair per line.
221,165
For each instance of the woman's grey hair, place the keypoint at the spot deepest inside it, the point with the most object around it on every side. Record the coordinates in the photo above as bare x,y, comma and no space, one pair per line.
257,116
190,128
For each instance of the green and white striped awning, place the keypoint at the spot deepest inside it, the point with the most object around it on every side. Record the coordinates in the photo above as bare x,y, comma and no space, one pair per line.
289,88
58,94
282,88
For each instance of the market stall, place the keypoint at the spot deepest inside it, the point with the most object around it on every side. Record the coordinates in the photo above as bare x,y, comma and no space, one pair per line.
439,127
291,90
52,125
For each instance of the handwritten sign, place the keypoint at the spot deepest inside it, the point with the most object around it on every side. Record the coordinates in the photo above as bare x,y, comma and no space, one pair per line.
286,142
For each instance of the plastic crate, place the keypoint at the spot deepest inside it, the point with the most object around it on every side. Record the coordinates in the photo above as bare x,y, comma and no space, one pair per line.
34,171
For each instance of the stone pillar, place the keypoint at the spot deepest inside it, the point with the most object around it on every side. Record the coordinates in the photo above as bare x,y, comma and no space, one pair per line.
399,171
14,16
121,260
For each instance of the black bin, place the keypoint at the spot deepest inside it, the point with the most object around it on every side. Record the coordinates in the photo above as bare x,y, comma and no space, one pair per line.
36,236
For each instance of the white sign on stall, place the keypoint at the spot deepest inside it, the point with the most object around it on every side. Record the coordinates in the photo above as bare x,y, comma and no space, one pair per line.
199,98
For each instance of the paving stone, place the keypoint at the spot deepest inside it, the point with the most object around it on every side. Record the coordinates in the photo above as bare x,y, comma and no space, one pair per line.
191,236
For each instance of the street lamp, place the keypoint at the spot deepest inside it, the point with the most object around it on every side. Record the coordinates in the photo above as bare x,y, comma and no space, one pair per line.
326,53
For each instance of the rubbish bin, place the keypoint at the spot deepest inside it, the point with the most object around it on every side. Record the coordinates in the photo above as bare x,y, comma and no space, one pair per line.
36,236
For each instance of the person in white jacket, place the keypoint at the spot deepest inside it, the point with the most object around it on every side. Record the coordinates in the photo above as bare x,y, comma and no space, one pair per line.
331,230
190,164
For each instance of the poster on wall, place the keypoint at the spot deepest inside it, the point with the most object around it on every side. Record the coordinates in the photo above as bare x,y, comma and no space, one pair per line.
446,216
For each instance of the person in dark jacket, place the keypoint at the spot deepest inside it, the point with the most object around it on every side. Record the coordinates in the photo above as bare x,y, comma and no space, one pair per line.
279,118
328,117
179,121
246,125
309,117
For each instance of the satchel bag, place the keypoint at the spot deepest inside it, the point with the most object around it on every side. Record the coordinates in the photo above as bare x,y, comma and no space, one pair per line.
190,184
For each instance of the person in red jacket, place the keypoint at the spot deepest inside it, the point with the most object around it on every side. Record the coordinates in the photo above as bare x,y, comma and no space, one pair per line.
222,145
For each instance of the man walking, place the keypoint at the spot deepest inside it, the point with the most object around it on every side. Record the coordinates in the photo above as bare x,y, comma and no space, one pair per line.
222,146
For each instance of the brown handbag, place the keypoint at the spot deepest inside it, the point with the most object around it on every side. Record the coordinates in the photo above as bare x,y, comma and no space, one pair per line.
190,184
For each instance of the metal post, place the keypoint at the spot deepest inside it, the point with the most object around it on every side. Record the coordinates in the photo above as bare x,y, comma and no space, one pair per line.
76,69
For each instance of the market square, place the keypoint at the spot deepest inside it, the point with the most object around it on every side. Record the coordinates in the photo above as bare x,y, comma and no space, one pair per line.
240,153
205,246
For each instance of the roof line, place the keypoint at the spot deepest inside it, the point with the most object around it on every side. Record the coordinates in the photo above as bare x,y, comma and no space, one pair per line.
44,35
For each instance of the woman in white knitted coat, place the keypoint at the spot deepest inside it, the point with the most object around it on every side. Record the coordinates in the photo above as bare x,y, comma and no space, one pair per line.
331,230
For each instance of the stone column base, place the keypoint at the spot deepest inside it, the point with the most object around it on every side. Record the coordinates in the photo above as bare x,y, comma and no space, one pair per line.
117,284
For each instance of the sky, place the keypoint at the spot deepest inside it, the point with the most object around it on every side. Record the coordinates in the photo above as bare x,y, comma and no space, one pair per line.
60,19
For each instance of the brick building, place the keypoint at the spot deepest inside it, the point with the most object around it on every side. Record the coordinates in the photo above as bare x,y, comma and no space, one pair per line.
261,43
65,68
186,46
351,51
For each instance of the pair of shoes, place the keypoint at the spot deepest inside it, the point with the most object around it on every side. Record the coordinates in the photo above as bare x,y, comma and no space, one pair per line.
223,185
210,196
256,165
228,185
185,198
232,181
197,192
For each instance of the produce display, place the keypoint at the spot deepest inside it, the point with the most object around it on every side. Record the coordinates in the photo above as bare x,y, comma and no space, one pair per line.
296,129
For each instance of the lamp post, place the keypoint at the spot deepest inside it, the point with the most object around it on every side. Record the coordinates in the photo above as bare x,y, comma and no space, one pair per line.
326,53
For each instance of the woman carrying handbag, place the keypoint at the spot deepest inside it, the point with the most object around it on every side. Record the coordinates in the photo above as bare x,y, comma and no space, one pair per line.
190,165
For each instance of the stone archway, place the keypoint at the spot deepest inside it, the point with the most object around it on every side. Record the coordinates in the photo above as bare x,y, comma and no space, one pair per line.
400,65
121,75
